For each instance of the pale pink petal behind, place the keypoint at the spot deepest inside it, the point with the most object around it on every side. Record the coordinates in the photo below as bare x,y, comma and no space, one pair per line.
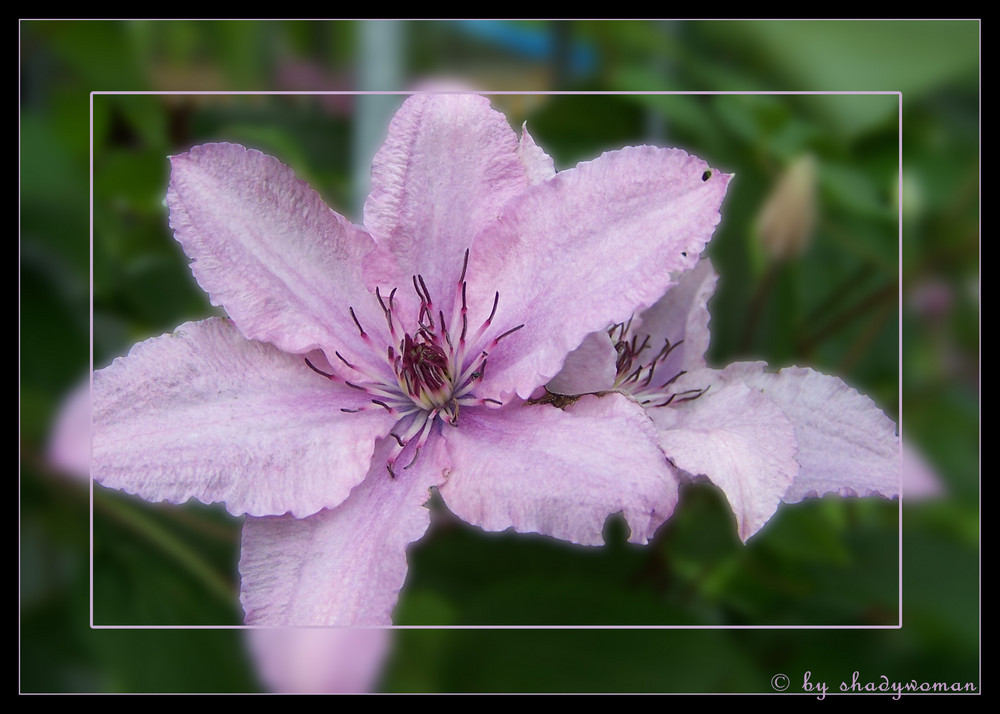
343,566
587,369
737,438
203,413
847,445
586,249
265,246
69,443
448,166
682,317
540,469
920,480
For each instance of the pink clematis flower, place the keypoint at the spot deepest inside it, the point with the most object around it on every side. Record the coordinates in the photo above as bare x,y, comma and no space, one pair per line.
361,367
762,438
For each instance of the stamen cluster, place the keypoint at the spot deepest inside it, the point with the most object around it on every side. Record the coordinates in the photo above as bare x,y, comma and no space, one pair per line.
436,369
635,377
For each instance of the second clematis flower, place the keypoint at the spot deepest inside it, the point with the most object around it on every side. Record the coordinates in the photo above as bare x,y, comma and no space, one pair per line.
763,438
361,367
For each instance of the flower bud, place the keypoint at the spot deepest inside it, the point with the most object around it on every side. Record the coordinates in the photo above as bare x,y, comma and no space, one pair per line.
786,222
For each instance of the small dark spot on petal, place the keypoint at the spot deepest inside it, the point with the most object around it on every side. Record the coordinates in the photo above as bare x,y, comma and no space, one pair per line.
706,176
684,253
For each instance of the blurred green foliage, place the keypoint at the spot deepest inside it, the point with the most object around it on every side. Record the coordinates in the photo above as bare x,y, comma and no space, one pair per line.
835,307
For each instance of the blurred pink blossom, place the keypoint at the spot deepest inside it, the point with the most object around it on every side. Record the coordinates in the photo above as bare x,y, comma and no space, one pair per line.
319,659
69,440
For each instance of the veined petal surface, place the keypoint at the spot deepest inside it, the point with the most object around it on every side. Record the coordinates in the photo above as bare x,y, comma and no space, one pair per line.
343,566
448,166
203,413
265,246
737,438
537,164
560,473
847,445
588,248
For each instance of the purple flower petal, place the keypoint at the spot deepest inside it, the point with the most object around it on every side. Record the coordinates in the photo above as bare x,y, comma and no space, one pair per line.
589,368
586,249
266,247
343,566
737,438
847,445
681,316
537,164
540,469
448,166
203,413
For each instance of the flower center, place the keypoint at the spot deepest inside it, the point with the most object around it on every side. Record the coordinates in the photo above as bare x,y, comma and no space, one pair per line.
641,378
434,371
424,369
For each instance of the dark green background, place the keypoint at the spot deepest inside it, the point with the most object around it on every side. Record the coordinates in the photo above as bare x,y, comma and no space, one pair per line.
828,562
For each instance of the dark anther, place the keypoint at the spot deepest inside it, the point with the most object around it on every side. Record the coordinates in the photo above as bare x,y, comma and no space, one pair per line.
666,403
399,441
319,371
695,393
425,312
444,330
508,332
383,405
706,176
355,318
496,299
354,386
416,453
350,411
465,264
425,295
674,378
622,329
341,358
668,347
386,310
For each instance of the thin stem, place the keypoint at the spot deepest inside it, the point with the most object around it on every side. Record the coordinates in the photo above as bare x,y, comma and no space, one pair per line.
139,523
